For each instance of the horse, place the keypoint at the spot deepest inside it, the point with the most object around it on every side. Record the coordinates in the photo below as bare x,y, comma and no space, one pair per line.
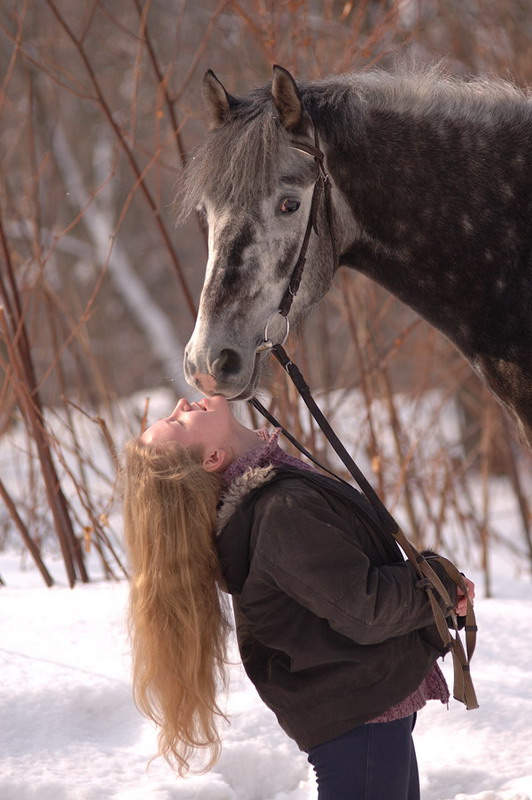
429,194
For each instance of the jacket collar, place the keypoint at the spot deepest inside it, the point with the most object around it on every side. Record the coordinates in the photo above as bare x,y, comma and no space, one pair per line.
251,479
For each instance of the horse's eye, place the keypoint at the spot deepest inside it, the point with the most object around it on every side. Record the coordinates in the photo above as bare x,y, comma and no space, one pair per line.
288,205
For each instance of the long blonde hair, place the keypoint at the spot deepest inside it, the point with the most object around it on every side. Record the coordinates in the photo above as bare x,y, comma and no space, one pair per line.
178,627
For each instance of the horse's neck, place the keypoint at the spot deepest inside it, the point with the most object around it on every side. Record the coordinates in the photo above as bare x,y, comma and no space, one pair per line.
419,213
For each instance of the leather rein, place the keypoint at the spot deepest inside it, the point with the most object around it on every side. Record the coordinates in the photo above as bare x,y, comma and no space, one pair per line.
428,580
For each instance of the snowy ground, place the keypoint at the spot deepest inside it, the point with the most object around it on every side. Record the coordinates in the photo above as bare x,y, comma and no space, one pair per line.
69,730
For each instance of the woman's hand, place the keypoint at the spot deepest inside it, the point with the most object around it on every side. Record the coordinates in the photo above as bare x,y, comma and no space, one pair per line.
461,602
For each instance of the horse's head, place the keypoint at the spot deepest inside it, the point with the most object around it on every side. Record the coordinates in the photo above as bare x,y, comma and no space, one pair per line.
255,191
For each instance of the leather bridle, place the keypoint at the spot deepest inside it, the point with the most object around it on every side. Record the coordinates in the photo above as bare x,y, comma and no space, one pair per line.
322,186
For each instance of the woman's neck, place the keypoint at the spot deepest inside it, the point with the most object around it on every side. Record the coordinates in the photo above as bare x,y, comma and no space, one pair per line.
245,441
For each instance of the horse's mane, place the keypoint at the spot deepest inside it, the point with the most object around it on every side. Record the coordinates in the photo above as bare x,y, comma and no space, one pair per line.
240,160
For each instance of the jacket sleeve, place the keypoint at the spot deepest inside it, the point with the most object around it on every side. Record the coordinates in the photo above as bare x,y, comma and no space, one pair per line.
313,554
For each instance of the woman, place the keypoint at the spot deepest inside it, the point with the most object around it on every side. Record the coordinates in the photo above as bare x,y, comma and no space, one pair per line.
333,629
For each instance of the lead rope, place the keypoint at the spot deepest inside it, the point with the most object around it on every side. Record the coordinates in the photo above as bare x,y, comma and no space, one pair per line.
463,689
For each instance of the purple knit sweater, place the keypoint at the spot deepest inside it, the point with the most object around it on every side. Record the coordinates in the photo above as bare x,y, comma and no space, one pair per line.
434,686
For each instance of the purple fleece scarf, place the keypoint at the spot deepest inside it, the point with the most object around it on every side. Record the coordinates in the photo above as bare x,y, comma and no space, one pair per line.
263,457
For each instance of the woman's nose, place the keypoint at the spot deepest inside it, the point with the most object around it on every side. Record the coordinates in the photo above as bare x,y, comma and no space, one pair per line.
180,406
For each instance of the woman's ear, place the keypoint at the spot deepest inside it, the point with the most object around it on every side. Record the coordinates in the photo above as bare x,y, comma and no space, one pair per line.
215,460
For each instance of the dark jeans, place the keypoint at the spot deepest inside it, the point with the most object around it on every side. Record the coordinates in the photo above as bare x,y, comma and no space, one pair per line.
371,762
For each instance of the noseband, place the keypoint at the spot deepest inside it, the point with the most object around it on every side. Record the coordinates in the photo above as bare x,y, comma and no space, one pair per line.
321,186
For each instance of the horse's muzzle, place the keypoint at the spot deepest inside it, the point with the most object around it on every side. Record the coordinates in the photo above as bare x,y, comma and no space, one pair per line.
224,373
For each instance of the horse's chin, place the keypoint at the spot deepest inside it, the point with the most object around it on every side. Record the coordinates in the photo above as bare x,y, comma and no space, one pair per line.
249,390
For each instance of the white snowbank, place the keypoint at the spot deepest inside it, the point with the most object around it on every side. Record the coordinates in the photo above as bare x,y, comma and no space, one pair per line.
69,729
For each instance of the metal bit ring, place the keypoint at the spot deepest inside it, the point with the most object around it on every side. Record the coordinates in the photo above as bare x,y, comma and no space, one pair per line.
267,343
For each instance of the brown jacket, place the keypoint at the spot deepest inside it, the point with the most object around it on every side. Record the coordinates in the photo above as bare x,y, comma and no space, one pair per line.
332,627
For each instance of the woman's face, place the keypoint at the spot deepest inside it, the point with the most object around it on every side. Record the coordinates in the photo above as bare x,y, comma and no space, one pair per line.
207,425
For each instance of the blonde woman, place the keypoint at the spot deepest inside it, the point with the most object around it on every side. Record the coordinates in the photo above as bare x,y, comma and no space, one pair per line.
332,629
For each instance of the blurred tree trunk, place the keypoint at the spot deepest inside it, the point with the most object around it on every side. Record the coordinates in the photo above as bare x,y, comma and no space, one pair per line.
98,216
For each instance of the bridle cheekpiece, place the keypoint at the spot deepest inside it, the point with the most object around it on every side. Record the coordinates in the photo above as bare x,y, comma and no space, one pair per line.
322,185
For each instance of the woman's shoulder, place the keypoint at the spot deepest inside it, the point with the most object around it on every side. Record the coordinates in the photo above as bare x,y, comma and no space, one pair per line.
259,493
249,488
278,488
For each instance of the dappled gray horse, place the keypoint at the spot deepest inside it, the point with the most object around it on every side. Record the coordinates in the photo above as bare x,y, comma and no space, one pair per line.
431,197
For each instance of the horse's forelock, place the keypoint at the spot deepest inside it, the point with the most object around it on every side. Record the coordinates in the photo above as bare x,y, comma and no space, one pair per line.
238,161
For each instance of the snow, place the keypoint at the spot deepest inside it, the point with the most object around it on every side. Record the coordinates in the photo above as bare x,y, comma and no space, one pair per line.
70,730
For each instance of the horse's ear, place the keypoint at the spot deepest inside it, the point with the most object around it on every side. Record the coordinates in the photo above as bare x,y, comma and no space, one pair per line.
287,99
216,100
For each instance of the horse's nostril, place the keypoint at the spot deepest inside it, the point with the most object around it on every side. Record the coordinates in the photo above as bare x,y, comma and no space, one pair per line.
227,364
189,364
